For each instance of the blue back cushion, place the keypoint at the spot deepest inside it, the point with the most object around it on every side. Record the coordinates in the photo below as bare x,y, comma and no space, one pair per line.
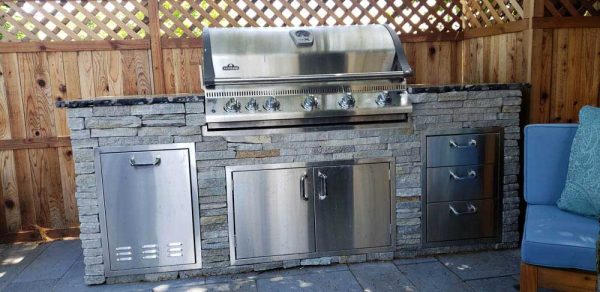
582,188
547,149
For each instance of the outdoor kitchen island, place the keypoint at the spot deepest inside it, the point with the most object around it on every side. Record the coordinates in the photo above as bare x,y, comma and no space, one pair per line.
479,117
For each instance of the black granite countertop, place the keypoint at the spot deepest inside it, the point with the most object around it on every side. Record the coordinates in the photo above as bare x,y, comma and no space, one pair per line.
423,88
132,100
199,97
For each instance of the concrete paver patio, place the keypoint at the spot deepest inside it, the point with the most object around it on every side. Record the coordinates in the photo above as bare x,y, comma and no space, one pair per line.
58,266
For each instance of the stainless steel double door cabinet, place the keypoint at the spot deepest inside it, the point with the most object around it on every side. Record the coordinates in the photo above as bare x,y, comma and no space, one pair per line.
149,207
289,211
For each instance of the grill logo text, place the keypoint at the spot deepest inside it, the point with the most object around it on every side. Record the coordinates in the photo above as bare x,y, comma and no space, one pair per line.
231,67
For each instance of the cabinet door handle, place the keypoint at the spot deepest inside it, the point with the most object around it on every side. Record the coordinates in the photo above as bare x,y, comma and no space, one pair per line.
323,178
472,144
470,175
471,209
303,187
153,163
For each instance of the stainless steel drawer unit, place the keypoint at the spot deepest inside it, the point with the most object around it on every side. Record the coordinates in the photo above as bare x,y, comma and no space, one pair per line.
148,208
462,171
300,210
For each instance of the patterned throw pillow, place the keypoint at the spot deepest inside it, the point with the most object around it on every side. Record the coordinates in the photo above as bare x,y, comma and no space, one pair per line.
582,188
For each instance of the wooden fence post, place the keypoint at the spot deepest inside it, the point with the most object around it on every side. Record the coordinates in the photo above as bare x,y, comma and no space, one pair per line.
156,47
539,45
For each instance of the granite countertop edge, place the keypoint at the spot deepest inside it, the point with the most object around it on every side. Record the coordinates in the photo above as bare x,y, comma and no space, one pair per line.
199,97
131,100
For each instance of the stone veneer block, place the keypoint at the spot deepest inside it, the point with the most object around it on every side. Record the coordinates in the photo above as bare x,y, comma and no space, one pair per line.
112,122
127,123
257,154
153,109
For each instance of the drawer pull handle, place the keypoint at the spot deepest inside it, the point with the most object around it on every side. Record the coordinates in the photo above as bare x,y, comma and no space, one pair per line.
472,144
303,187
153,163
471,209
470,175
323,178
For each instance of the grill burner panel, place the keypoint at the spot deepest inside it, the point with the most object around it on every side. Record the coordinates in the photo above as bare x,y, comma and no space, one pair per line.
293,107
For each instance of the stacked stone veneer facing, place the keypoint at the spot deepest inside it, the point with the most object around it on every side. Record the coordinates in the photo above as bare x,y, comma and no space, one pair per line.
161,123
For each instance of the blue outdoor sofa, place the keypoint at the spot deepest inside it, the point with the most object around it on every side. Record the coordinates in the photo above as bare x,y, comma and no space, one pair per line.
559,248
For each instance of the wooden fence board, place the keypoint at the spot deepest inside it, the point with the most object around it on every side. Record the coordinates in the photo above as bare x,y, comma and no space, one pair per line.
72,78
46,183
26,195
560,62
497,58
136,73
86,75
58,90
39,106
10,192
67,179
182,70
542,66
10,215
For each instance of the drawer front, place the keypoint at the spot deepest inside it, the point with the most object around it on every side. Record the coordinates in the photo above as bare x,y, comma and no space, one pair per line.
460,220
456,183
462,149
147,202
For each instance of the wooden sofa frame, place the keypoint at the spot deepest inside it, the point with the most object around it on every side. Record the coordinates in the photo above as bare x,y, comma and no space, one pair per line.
534,277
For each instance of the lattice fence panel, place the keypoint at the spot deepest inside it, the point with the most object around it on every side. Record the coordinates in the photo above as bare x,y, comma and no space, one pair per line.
128,19
73,20
483,13
181,18
561,8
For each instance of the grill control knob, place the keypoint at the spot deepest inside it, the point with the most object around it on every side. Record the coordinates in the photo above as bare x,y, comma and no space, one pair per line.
310,103
232,106
384,99
271,104
347,101
252,105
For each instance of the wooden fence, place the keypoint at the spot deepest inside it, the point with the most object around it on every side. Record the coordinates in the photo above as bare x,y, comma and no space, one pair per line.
55,50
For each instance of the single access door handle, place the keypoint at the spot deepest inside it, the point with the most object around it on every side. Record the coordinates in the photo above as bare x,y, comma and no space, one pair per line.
323,178
303,187
151,163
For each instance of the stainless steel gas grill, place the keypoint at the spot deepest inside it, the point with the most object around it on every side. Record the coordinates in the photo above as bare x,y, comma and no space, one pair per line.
291,77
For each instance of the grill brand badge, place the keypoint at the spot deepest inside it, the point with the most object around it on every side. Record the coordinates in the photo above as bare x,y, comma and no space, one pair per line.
231,67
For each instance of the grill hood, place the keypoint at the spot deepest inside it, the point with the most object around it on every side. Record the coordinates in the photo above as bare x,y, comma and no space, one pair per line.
338,54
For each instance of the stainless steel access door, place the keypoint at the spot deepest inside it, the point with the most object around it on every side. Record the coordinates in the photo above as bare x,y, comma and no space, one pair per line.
353,206
148,208
274,213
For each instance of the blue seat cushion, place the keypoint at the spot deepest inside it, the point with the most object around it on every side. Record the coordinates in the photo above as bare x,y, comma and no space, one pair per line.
559,239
